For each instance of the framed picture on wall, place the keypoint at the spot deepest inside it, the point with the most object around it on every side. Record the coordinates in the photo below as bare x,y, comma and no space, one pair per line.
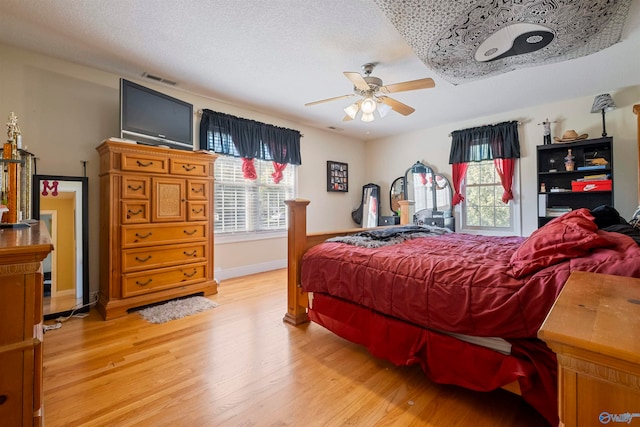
337,176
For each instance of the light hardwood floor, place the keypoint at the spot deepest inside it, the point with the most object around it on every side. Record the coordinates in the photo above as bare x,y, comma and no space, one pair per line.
60,303
240,365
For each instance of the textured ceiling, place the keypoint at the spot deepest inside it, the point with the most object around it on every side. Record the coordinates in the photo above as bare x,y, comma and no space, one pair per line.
275,56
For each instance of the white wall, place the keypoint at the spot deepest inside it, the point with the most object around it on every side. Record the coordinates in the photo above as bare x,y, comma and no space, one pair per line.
390,157
66,110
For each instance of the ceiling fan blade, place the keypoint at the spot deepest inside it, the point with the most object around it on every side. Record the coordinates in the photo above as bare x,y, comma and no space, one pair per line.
410,85
358,81
346,118
397,106
329,99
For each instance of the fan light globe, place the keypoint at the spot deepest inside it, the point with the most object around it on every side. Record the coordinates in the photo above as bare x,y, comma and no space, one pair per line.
383,109
352,110
367,117
368,106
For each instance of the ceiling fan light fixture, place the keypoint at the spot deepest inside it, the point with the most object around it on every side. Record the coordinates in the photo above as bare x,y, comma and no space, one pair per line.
369,90
367,117
352,110
368,106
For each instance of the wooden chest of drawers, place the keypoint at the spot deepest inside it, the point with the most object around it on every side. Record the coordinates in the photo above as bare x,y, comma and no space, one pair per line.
156,234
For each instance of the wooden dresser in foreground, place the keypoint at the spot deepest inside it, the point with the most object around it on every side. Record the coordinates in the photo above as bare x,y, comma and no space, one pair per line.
156,225
594,328
21,332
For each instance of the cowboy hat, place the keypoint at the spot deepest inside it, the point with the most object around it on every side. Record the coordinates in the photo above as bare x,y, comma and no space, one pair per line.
571,135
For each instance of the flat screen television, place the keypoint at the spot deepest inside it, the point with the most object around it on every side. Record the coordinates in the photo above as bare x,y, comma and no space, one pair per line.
150,117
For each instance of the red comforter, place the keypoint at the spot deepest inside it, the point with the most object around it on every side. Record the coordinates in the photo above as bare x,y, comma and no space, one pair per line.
469,284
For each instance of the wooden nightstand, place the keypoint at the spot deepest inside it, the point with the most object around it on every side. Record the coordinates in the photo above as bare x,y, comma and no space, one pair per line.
594,328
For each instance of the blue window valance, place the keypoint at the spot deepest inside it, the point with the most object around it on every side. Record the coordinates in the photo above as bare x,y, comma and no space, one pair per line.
249,139
499,141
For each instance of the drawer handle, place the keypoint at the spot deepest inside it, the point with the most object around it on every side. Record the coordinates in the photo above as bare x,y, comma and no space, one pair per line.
144,165
131,187
145,236
145,283
197,190
143,260
130,212
3,398
188,168
190,233
192,253
197,210
190,275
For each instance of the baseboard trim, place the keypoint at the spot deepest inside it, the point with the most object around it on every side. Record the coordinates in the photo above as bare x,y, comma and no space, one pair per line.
246,270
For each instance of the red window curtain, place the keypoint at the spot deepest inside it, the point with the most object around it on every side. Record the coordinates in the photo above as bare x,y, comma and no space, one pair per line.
249,169
458,172
277,174
505,169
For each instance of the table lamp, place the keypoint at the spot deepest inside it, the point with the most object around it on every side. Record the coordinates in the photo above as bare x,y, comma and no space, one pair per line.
603,103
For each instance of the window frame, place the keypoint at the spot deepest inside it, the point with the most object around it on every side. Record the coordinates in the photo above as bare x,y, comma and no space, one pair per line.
514,209
223,237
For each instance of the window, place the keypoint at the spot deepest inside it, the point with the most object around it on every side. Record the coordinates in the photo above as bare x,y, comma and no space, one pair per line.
255,204
242,206
483,209
483,164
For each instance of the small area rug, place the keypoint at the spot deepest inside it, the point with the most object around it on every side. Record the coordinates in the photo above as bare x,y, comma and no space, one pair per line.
176,309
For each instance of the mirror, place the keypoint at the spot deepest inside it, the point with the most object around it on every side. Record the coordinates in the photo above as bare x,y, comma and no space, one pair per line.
370,205
368,213
61,202
396,194
444,195
428,190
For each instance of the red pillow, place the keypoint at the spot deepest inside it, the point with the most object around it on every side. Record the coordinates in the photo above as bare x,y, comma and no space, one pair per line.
571,235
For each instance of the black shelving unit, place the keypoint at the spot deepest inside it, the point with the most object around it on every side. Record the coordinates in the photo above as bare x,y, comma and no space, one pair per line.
555,187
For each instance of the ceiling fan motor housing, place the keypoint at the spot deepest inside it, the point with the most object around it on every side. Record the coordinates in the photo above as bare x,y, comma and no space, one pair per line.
373,81
374,84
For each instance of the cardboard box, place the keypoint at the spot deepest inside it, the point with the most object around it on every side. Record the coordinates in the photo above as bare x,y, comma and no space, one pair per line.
593,185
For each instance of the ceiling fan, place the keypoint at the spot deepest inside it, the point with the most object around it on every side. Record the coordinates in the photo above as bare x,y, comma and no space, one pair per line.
372,93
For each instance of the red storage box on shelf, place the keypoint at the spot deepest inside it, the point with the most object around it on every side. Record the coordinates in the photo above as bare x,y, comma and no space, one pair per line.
595,185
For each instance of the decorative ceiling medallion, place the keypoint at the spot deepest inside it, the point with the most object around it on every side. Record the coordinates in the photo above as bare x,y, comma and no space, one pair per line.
467,40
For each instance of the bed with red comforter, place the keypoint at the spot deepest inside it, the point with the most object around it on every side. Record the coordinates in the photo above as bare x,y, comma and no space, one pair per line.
424,300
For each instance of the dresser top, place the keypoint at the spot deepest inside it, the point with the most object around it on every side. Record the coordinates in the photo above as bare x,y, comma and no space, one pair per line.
599,313
24,244
119,145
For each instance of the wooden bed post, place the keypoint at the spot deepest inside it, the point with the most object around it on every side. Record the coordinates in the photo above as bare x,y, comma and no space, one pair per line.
297,244
636,110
